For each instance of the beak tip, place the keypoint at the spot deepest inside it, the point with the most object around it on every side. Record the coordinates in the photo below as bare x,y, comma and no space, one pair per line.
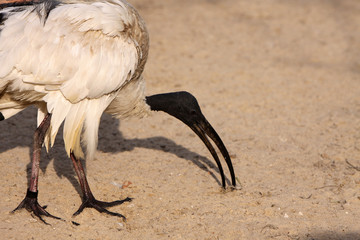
235,187
230,188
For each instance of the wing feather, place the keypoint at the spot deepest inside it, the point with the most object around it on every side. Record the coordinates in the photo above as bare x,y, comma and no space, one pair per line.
83,48
76,60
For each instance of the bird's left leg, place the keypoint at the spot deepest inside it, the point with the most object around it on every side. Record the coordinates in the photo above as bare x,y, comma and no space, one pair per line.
30,202
88,199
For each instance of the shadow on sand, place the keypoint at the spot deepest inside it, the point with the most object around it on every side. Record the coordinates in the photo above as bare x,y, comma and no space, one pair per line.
331,236
18,132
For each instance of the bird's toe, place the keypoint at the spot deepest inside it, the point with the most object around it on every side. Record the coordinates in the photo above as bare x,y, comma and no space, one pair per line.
101,206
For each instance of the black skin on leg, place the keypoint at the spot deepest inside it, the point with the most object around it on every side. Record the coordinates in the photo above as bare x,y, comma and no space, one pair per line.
184,106
88,199
30,202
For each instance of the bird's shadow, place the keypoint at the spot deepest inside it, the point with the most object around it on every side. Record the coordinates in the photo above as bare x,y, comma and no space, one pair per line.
18,132
331,236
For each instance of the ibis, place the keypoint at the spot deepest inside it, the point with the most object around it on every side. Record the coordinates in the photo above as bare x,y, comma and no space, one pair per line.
75,60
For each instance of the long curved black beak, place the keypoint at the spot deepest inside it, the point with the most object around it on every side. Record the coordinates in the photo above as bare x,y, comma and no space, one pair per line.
185,107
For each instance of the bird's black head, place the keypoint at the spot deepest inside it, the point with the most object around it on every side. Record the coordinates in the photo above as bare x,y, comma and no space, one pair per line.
184,106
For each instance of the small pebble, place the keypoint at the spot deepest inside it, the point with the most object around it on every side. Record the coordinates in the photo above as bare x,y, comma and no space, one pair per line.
117,184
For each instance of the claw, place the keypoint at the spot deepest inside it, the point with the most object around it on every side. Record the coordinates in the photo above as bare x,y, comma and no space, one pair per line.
31,204
101,206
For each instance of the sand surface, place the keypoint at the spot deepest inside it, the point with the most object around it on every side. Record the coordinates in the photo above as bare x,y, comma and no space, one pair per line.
280,82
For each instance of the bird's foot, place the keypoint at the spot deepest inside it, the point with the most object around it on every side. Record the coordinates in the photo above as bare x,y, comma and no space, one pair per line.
91,202
31,204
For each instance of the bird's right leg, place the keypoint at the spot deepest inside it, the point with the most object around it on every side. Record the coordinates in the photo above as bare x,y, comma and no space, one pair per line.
30,202
88,199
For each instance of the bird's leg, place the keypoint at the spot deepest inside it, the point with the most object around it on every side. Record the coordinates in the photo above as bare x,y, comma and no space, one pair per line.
88,199
30,202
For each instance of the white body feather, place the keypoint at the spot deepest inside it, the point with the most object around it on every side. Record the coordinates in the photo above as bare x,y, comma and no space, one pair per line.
82,59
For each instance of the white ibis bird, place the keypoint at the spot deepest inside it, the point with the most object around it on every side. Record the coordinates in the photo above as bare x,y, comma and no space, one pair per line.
74,60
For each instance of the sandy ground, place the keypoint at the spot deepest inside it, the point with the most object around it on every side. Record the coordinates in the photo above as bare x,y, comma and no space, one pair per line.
280,82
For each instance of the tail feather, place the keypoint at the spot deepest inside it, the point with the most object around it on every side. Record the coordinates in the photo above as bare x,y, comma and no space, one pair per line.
82,117
72,115
9,108
92,121
7,113
79,118
73,127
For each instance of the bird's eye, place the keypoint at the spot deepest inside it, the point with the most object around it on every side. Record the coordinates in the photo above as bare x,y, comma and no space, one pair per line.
192,112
